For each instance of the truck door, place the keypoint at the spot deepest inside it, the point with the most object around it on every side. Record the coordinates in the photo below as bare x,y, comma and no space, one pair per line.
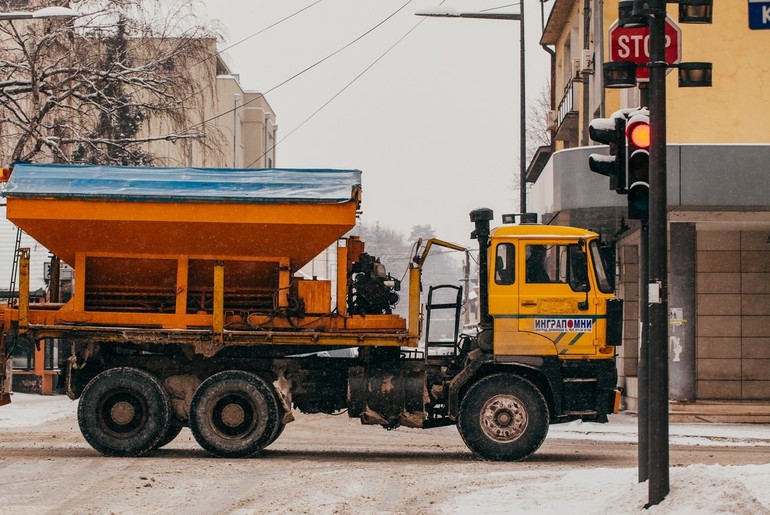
555,301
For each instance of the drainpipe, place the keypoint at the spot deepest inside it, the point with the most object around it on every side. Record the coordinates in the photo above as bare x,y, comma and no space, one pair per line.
599,58
585,114
552,53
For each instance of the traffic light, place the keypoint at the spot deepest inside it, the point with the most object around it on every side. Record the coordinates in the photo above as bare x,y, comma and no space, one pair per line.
610,131
638,143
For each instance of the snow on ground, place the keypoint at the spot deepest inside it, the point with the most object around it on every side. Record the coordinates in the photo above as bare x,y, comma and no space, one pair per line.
623,428
27,410
694,489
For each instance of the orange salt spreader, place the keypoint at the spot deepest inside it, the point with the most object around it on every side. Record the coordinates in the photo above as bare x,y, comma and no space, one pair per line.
192,248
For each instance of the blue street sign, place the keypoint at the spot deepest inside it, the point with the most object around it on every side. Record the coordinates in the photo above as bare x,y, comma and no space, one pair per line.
759,14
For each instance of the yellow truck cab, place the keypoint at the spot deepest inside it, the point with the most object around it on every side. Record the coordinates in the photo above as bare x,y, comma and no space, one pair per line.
548,292
548,314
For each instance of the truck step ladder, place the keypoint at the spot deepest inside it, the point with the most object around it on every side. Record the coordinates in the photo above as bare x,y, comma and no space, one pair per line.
444,303
14,267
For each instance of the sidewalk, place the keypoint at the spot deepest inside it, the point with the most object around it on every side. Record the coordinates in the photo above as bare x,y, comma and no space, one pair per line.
722,412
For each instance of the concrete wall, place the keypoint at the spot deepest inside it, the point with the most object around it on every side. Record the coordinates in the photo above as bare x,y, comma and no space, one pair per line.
699,176
733,308
628,289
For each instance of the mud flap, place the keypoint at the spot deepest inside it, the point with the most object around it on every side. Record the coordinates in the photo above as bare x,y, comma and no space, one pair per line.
5,377
617,394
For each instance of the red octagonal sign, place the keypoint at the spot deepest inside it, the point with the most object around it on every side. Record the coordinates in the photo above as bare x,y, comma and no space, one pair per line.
633,44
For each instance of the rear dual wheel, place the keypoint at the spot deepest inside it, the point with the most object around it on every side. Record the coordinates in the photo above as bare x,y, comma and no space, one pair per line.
124,412
235,414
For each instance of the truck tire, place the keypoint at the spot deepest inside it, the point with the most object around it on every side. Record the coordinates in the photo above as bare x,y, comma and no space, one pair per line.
278,430
124,412
234,414
503,417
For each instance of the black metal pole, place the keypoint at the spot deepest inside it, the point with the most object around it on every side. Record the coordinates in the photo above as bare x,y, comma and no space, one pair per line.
643,384
523,116
658,288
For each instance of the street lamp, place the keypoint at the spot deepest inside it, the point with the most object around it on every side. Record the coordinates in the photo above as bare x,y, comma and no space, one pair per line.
46,13
442,12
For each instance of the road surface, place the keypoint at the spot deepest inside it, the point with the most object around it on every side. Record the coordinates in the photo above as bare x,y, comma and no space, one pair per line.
320,463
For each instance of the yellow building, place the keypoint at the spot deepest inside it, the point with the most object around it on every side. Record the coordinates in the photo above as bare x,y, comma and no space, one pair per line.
718,194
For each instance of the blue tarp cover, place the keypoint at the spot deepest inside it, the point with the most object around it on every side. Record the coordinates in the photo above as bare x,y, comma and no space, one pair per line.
259,185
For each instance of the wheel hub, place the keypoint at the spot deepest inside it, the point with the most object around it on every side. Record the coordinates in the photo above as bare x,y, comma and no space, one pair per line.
122,412
233,415
503,418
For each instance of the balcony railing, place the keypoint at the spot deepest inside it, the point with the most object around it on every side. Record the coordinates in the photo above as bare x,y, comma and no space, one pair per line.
567,114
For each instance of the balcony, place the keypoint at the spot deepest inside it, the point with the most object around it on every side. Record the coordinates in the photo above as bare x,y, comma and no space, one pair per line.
567,115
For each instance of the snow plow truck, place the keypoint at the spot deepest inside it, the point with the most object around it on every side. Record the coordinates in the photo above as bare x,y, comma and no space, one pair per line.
187,311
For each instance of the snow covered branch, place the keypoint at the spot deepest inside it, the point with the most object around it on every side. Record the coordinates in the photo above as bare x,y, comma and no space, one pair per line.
100,89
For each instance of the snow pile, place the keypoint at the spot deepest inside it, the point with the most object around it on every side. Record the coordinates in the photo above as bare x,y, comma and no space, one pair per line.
694,489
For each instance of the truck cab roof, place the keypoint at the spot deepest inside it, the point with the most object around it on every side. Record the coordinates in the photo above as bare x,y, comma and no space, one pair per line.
540,231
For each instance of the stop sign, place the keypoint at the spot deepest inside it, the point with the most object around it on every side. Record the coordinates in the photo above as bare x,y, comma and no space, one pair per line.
633,44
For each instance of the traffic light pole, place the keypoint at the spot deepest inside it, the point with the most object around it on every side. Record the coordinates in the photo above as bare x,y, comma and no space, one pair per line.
643,383
658,267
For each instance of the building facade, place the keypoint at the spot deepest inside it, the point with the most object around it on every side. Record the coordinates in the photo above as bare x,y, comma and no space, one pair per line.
719,198
231,128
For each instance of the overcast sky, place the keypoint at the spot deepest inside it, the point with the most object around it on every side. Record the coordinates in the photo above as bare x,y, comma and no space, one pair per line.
433,124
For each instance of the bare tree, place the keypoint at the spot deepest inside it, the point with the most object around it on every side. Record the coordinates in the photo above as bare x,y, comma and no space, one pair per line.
385,243
539,127
102,88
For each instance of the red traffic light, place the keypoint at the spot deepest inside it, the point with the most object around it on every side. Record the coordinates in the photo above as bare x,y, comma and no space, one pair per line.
639,134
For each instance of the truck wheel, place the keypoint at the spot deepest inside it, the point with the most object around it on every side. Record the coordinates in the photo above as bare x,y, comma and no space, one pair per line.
124,412
278,430
234,414
503,417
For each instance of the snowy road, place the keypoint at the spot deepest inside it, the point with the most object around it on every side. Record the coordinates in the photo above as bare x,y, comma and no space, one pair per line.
327,464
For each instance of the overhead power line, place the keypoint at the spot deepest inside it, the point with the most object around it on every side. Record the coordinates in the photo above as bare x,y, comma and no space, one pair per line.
219,52
305,70
371,65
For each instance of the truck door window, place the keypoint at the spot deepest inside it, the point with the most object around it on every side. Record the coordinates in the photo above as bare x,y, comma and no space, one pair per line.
558,264
578,269
602,276
504,261
541,259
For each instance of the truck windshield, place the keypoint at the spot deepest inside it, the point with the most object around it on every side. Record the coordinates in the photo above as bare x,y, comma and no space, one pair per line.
602,276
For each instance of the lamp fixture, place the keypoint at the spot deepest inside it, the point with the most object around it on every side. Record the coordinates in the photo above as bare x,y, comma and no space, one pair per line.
619,74
694,75
695,11
628,16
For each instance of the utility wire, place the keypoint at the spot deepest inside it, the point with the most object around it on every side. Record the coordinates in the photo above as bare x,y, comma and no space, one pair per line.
261,95
211,84
371,65
258,32
499,7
